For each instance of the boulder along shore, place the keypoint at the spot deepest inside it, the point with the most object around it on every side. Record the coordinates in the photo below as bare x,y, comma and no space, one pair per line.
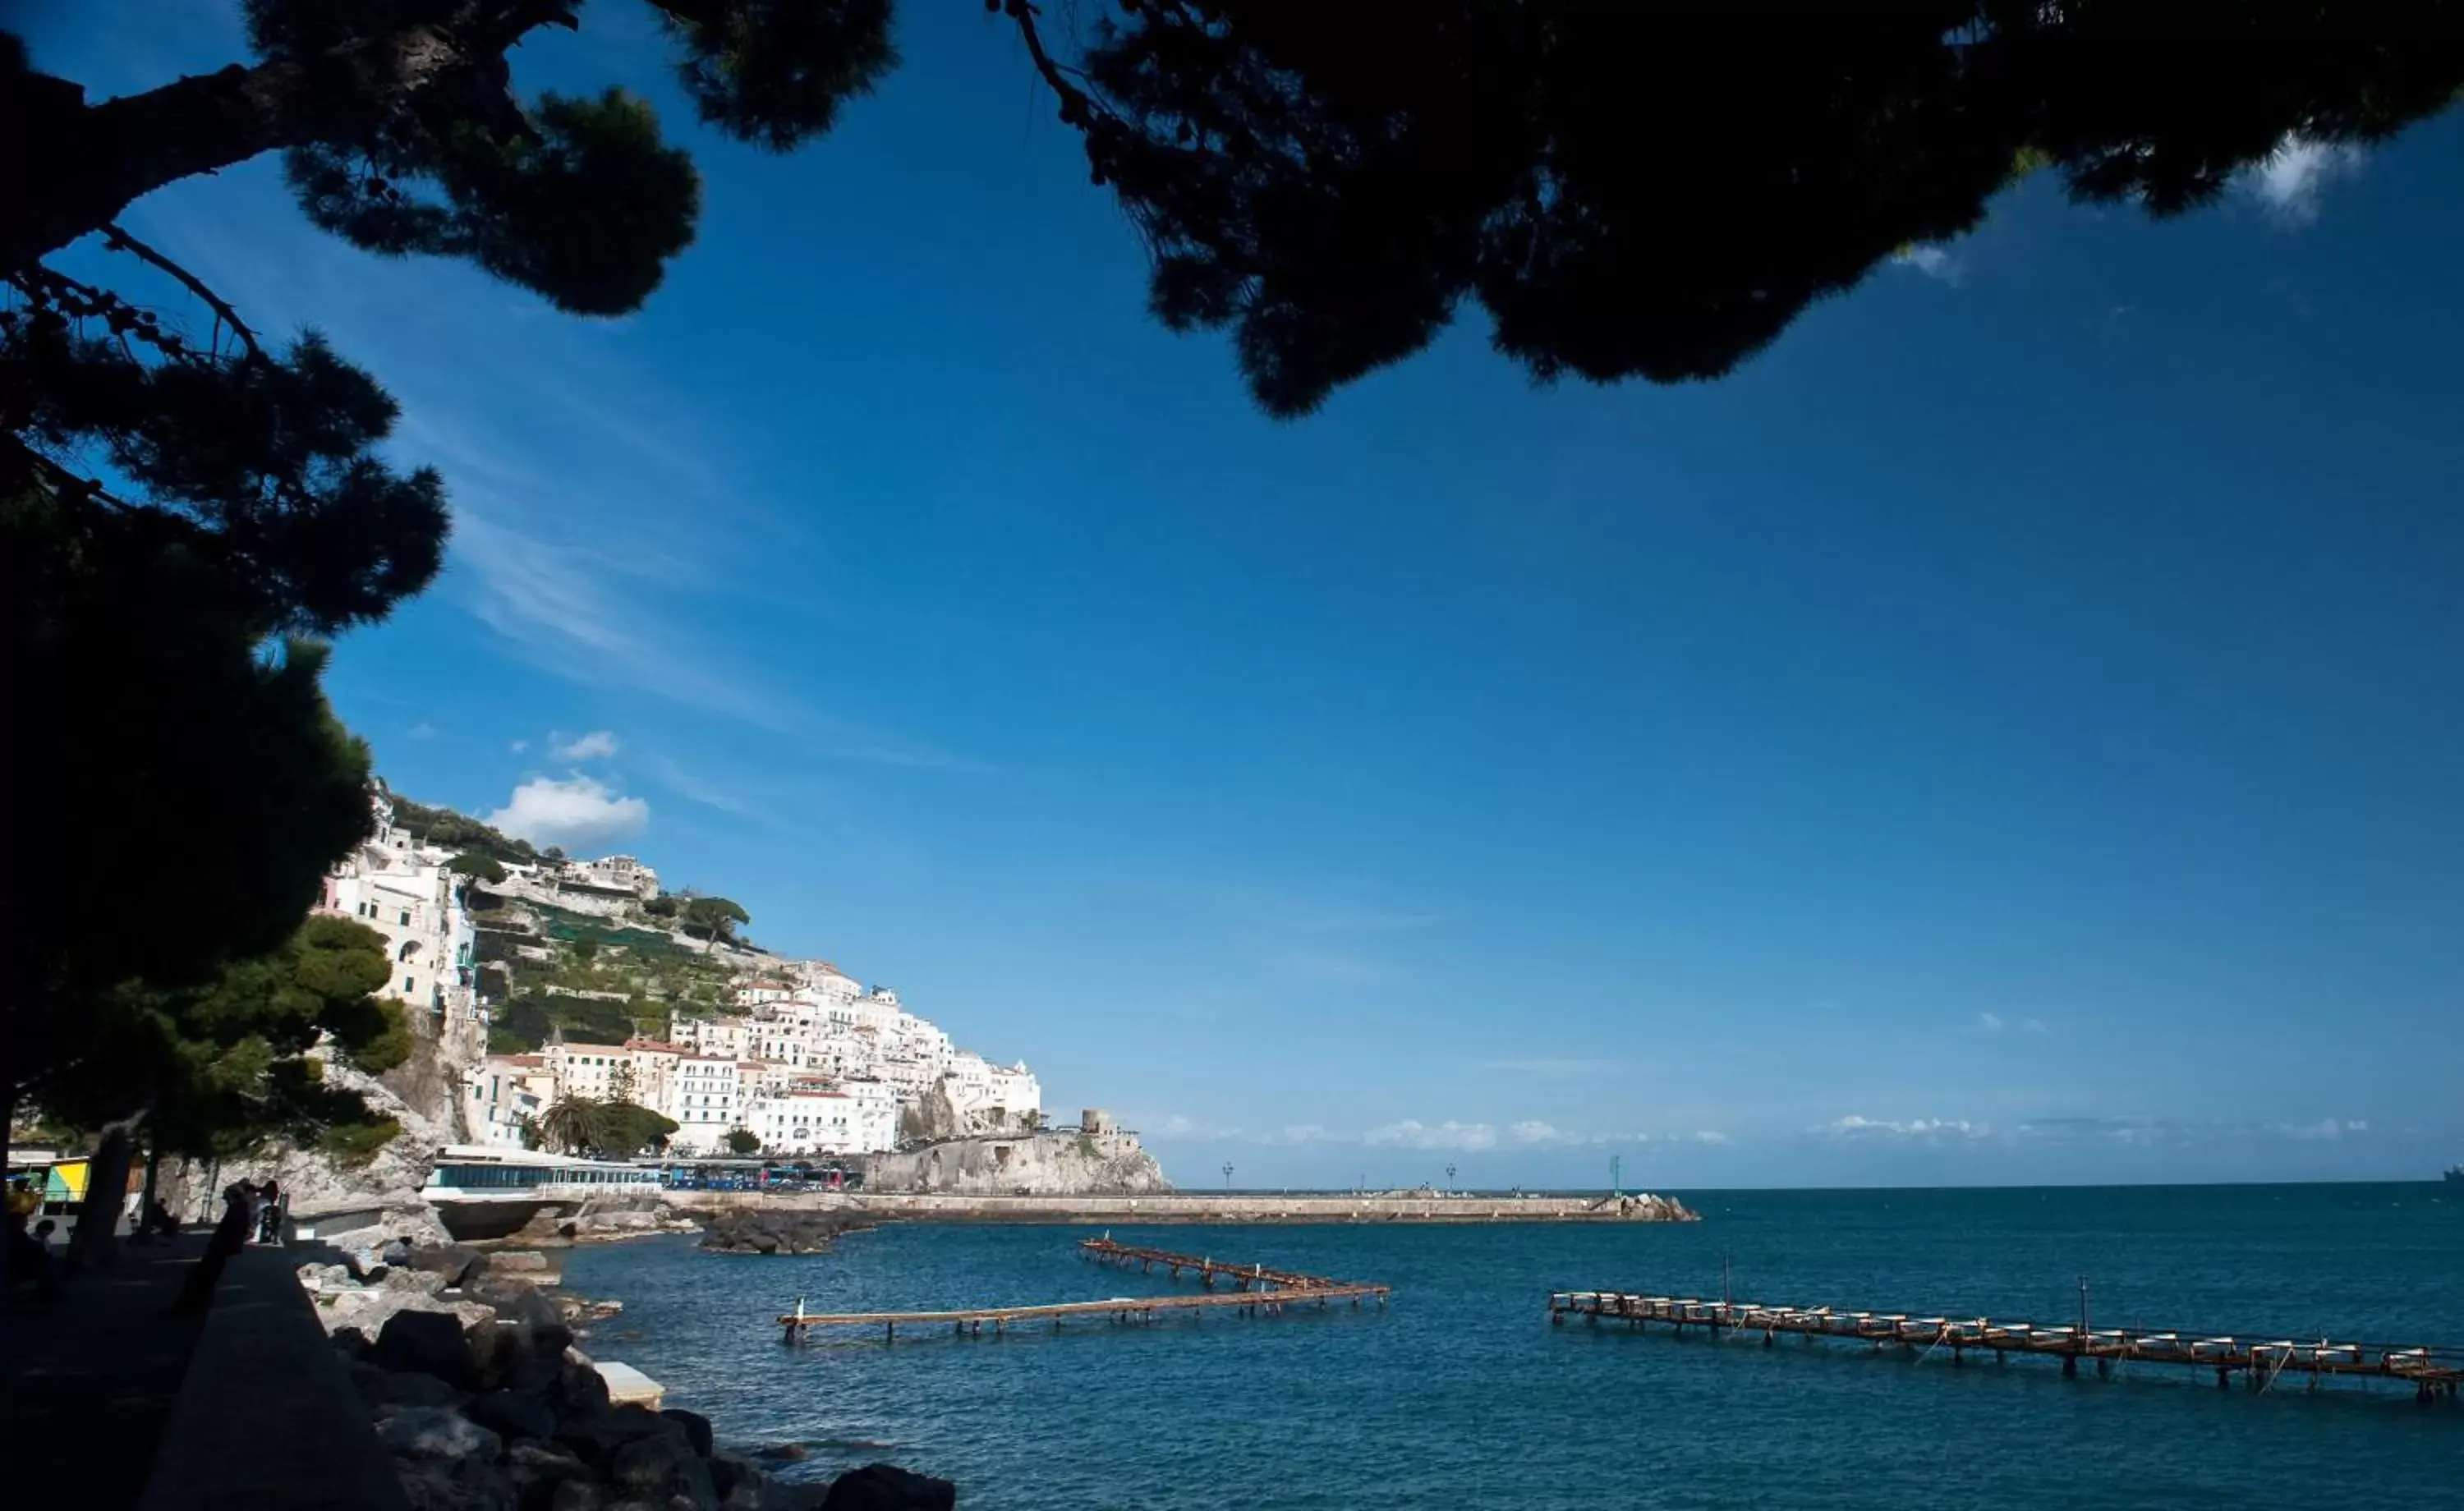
471,1371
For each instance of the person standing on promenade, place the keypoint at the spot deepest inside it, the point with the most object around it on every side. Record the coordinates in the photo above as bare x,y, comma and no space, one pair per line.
269,1216
230,1237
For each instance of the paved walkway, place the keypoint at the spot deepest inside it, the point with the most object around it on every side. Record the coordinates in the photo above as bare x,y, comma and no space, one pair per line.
87,1382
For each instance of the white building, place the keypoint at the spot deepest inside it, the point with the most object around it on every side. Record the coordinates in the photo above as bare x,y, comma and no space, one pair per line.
705,1100
402,890
990,1098
509,1093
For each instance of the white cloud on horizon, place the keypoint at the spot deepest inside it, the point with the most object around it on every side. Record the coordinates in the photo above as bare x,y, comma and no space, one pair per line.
1532,1131
579,814
1413,1134
1857,1126
597,745
1934,259
2291,180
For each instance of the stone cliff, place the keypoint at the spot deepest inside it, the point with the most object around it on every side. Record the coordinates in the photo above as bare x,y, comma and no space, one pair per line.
423,1095
1055,1163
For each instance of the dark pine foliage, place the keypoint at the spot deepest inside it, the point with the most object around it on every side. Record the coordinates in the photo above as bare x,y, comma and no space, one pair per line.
1656,189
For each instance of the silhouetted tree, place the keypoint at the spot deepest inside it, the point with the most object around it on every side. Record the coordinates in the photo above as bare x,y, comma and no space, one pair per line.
1628,188
478,868
219,1068
713,918
1656,189
744,1141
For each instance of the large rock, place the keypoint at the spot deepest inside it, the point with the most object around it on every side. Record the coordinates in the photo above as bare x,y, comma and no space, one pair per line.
577,1494
537,1469
512,1413
696,1429
1053,1162
392,1183
458,1263
758,1230
745,1486
599,1437
661,1468
887,1487
429,1432
461,1484
518,1303
382,1389
429,1342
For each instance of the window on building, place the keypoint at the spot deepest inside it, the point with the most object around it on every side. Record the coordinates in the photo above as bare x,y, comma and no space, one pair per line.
410,985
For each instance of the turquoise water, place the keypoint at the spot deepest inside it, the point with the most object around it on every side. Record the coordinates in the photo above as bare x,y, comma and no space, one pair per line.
1462,1394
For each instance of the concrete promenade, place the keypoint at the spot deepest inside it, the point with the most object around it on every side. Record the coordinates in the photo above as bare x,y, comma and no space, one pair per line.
109,1402
1312,1206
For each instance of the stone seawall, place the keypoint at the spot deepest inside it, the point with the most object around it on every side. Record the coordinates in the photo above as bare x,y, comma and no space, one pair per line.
1179,1207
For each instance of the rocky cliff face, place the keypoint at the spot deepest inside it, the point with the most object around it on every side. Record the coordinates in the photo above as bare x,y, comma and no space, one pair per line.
1050,1164
423,1094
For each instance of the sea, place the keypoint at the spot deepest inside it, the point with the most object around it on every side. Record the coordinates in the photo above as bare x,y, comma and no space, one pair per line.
1462,1394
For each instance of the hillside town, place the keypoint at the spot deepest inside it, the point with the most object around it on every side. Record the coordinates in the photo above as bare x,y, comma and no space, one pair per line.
796,1054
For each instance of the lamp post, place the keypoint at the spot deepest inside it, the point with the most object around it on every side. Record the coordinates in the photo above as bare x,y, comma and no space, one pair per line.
1228,1175
1450,1179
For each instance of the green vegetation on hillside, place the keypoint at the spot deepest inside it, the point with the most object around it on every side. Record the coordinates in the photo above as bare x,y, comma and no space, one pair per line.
648,979
455,831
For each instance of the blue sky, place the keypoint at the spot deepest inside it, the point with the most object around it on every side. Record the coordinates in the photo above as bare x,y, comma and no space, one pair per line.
2008,732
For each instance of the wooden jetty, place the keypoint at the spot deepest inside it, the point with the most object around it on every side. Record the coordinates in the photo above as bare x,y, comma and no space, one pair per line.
2260,1361
1256,1291
1244,1277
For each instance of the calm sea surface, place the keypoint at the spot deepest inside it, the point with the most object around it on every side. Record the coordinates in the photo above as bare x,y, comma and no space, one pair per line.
1462,1395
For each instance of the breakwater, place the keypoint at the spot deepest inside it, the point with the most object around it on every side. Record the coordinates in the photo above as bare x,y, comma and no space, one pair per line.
1311,1207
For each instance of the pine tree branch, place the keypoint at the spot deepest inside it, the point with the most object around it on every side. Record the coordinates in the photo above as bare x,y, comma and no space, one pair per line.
120,240
89,162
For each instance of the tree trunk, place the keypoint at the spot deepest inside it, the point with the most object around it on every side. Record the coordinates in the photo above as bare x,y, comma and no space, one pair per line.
96,1244
86,163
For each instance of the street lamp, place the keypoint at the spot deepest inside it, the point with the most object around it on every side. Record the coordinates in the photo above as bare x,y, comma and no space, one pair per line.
1228,1175
1450,1179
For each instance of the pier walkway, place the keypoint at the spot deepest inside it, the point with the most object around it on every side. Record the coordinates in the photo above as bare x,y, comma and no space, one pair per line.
1257,1291
1244,1277
2260,1361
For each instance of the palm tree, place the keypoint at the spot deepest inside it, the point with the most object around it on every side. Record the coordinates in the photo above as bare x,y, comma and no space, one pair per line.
575,1125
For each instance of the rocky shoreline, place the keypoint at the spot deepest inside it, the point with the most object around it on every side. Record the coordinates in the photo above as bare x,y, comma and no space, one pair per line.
470,1373
751,1230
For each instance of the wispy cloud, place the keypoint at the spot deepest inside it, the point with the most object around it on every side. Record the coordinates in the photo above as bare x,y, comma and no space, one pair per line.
582,813
693,787
578,612
1413,1134
1934,259
2323,1128
1856,1125
1177,1126
597,745
2291,180
1991,1022
423,731
1535,1133
518,746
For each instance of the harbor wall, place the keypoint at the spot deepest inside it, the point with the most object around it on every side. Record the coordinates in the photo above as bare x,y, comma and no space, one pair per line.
1184,1207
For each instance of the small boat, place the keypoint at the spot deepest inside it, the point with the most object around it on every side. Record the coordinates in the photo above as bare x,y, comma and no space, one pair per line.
2455,1174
